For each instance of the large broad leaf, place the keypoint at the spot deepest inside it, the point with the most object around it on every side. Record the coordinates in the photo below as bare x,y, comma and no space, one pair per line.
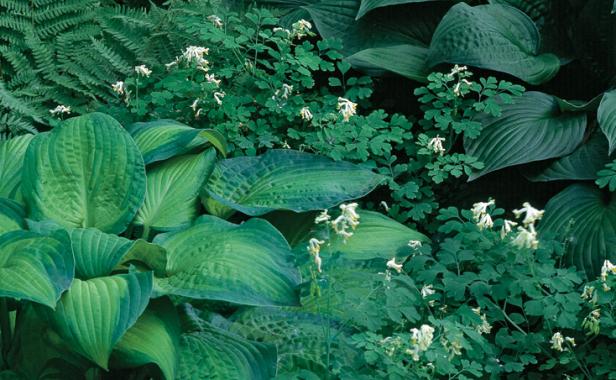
406,60
97,253
87,172
582,164
531,129
162,139
35,267
494,37
368,5
11,161
289,180
153,339
12,216
217,354
588,216
172,195
249,264
606,116
93,315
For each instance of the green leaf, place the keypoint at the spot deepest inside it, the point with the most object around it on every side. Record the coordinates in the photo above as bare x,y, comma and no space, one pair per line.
368,5
377,236
494,37
162,139
289,180
153,339
591,236
12,154
87,172
216,354
147,255
35,267
93,315
248,264
406,60
531,129
172,195
582,164
12,216
606,116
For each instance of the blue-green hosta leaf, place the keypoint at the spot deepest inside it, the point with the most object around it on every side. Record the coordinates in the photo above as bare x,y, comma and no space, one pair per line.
153,339
406,60
162,139
12,154
582,164
217,354
591,236
12,216
35,267
249,263
172,195
93,315
606,116
288,180
531,129
495,37
368,5
86,172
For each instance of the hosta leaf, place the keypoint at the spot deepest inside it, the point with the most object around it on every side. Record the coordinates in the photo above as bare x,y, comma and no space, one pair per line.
172,195
93,315
12,216
96,253
147,255
216,354
12,153
153,339
494,37
162,139
368,5
87,172
582,164
289,180
406,60
606,116
249,263
592,233
35,267
531,129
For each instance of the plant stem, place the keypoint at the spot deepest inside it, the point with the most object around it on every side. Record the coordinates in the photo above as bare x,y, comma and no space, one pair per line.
5,329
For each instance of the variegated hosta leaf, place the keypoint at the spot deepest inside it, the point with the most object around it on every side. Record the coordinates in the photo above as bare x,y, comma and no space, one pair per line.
249,263
86,172
289,180
35,267
12,216
12,154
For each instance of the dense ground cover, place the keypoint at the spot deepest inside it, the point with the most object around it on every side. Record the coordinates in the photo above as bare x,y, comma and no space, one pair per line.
331,189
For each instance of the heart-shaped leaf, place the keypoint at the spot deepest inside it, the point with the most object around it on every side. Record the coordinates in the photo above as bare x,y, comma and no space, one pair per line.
606,116
93,315
531,129
12,216
172,195
12,154
35,267
249,263
406,60
494,37
289,180
87,172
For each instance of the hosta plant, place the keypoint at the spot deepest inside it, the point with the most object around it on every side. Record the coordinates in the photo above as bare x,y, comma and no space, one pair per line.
105,240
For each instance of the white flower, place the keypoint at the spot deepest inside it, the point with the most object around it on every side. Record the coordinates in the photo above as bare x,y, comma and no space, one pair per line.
314,247
484,327
171,64
527,238
481,208
557,341
322,217
301,28
485,222
570,340
606,269
384,205
218,97
422,337
507,228
391,264
347,219
457,69
349,211
414,244
118,87
212,79
305,114
60,109
284,30
143,71
532,214
436,145
346,108
589,294
427,290
195,53
217,21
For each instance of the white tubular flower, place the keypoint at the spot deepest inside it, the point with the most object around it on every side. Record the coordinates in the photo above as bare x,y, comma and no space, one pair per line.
532,214
391,264
305,114
61,110
589,294
427,290
218,97
481,208
527,238
484,327
606,269
171,64
506,229
195,53
346,108
212,79
414,244
287,89
456,89
457,69
350,214
216,21
557,341
570,340
422,337
195,104
143,71
118,87
301,28
318,262
436,145
314,246
323,217
485,222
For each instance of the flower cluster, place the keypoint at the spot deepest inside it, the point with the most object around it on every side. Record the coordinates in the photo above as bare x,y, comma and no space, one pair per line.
348,219
421,339
558,340
484,327
314,248
436,145
346,108
142,70
527,235
481,215
301,29
60,110
216,21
